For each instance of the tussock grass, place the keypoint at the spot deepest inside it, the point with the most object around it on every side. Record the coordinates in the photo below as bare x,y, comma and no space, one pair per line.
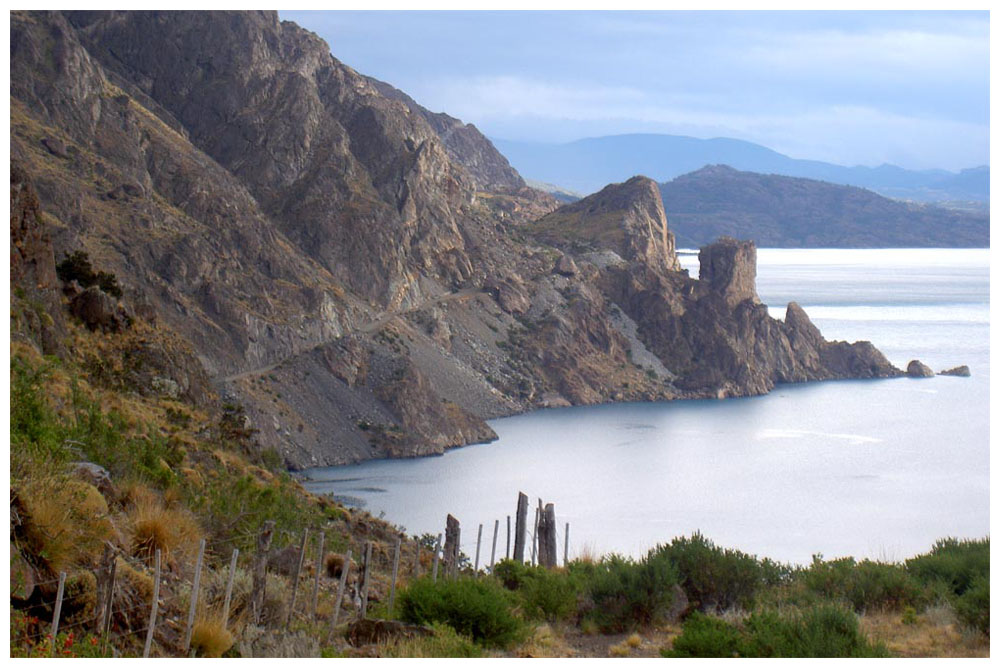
210,638
172,530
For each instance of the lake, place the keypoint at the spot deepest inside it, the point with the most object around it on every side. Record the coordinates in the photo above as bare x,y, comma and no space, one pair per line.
877,468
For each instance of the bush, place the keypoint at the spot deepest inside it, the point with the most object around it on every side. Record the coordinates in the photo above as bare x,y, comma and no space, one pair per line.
173,531
76,266
973,606
705,636
867,585
824,631
626,594
543,594
952,562
209,637
715,578
480,609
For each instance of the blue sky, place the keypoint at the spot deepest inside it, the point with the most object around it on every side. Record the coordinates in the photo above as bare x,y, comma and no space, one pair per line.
909,88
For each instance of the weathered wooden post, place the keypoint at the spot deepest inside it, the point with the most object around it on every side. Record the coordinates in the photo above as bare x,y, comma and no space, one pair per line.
395,572
111,599
547,555
367,566
195,590
229,587
534,535
416,559
58,611
437,554
508,537
566,547
479,540
154,608
340,592
260,569
319,571
452,541
520,526
295,579
493,552
103,575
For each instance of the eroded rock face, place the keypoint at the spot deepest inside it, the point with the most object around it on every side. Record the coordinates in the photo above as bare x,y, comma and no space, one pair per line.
962,370
917,369
729,267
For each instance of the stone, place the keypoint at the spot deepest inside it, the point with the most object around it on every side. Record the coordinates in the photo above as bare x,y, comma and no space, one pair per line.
22,575
962,370
98,310
917,369
566,266
374,631
165,387
56,147
98,476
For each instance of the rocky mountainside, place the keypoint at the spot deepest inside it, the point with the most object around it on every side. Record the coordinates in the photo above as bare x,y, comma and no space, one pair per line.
365,278
785,212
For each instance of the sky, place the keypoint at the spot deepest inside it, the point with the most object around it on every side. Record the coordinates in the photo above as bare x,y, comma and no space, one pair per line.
852,88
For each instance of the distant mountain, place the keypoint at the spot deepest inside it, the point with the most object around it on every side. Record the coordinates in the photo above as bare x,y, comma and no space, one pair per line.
787,212
587,165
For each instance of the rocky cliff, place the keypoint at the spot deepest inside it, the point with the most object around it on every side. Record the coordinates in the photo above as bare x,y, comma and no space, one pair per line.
365,278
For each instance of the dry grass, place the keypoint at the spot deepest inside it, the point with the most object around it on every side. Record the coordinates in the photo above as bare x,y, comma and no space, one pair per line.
935,634
172,530
334,565
210,638
545,642
587,554
634,640
619,650
66,521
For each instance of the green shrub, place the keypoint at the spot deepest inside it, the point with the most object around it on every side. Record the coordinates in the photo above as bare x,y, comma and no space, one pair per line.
480,609
973,606
715,578
511,573
952,562
866,585
626,594
76,266
823,631
548,595
705,636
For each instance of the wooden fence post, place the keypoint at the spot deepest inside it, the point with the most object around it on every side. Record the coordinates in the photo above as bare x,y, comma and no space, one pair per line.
58,611
520,526
195,587
260,570
395,572
452,542
319,571
493,552
229,587
479,540
566,546
295,580
508,537
340,592
367,566
416,559
534,536
103,575
153,609
547,555
437,554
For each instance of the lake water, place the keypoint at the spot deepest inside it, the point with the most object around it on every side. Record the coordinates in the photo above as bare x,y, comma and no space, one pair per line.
876,469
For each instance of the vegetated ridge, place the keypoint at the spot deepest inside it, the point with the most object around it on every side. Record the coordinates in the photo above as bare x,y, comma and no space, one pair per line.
365,278
786,212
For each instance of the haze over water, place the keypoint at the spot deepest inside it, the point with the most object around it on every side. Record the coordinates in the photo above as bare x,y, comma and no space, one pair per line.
875,469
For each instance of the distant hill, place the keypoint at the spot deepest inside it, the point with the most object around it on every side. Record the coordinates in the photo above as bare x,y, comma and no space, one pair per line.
587,165
787,212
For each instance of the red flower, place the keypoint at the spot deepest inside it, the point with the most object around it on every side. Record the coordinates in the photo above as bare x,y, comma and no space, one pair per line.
93,640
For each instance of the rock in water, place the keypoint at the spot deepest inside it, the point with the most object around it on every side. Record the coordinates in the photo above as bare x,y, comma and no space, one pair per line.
962,370
917,369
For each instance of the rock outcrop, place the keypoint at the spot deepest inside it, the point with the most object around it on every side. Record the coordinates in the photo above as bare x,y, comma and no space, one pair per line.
917,369
364,277
962,370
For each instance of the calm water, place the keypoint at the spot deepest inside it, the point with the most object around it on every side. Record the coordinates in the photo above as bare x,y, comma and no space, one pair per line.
865,468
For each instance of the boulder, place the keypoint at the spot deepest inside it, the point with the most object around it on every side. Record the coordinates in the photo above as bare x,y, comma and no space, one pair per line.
566,266
374,631
917,369
97,476
510,295
56,147
956,371
97,309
